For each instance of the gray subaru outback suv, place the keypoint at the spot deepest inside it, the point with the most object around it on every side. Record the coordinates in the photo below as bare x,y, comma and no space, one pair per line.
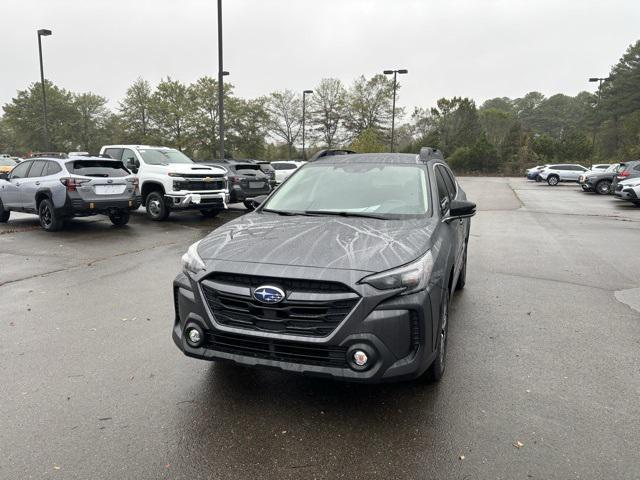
56,189
345,271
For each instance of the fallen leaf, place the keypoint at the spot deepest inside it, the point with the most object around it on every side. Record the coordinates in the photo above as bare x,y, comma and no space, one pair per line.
518,444
461,457
56,467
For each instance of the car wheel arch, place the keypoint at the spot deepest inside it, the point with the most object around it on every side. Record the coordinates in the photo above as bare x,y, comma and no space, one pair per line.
41,195
150,186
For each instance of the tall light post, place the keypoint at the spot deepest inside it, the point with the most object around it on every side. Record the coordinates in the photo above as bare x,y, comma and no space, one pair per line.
221,75
395,86
599,80
304,104
43,33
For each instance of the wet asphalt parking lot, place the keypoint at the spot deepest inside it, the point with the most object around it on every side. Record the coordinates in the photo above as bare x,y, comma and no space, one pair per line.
543,375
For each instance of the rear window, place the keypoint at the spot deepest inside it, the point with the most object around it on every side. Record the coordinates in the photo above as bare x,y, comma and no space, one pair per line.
247,167
97,168
284,166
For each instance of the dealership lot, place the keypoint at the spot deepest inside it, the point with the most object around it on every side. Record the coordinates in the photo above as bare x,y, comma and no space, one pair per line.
542,380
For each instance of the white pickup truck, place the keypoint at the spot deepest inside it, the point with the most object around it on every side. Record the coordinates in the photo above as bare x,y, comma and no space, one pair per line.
169,180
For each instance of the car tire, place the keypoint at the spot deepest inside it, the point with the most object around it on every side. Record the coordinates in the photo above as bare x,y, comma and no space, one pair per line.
210,212
49,219
603,187
248,204
538,179
4,214
462,277
553,180
156,207
120,218
436,370
585,188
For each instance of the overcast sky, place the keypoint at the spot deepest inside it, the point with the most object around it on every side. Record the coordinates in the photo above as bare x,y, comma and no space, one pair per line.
475,48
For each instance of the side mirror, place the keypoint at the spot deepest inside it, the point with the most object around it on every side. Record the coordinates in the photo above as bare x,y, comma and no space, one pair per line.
459,209
132,164
256,202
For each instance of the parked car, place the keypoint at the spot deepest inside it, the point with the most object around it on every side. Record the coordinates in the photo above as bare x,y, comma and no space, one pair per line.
57,189
565,172
344,271
266,168
7,164
284,169
246,181
169,180
599,182
629,190
534,173
630,169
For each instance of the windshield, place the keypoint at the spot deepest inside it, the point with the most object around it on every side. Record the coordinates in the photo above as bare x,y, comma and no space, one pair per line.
163,156
7,162
374,189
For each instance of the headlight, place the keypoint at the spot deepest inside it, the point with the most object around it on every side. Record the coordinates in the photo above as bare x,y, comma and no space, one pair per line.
191,261
412,277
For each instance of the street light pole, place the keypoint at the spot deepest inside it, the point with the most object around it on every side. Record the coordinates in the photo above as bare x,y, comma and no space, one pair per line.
43,33
221,73
599,80
393,113
304,103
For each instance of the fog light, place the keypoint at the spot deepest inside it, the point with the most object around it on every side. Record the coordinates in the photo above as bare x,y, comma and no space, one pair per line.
360,358
194,336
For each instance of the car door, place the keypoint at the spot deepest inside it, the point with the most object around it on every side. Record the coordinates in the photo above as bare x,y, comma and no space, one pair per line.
31,184
10,190
458,226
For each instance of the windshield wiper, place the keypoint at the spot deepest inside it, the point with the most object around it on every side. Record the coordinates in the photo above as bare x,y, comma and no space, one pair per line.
346,214
282,212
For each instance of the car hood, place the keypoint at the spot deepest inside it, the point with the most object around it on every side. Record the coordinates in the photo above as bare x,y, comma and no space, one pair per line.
367,245
195,169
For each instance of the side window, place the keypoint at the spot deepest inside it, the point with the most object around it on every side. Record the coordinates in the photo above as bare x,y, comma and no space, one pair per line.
443,193
52,168
36,169
451,183
115,153
129,156
21,170
637,167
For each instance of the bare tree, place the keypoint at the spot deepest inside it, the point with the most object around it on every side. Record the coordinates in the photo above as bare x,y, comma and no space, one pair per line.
285,116
327,108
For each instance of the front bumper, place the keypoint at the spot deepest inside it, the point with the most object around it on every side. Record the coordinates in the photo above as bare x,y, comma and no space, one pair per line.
626,194
397,332
193,200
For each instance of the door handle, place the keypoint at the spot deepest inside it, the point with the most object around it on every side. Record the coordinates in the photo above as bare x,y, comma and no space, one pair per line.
17,184
37,183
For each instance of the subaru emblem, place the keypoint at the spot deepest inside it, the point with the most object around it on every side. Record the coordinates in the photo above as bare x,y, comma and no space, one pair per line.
268,294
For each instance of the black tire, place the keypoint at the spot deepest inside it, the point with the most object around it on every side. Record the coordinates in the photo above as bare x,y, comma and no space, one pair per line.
156,207
210,212
553,180
538,179
462,278
436,370
248,204
4,214
585,188
49,220
603,187
120,218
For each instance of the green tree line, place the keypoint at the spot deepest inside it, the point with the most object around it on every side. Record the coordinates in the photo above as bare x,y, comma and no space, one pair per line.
502,135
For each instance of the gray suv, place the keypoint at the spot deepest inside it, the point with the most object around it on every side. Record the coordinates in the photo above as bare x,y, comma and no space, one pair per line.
345,271
56,189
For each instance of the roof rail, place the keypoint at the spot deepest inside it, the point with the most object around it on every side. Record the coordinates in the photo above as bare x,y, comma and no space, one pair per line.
329,153
429,153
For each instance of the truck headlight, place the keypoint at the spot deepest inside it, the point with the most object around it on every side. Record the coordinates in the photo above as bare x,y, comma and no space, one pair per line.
191,261
412,277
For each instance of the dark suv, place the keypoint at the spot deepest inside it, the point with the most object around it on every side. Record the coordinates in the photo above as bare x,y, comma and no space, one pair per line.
344,271
246,181
59,188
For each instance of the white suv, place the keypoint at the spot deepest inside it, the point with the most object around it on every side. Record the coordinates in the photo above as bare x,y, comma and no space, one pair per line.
565,172
169,180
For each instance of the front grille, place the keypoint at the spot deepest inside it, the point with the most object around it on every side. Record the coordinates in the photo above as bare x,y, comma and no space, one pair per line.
318,316
200,175
278,350
296,284
202,185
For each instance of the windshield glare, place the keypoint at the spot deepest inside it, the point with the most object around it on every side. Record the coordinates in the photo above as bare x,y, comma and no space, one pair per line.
390,190
163,156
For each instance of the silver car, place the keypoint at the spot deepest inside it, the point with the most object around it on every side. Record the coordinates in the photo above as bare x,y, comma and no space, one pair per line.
56,189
